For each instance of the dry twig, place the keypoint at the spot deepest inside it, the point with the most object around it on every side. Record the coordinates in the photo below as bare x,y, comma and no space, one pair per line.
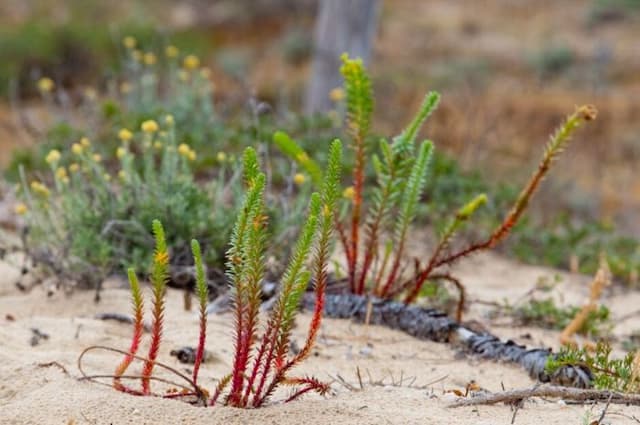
601,280
553,391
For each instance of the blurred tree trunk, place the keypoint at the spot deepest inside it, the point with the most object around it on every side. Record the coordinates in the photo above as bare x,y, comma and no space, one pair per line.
341,26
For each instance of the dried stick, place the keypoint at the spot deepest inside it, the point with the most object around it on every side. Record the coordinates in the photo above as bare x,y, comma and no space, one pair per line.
601,280
565,393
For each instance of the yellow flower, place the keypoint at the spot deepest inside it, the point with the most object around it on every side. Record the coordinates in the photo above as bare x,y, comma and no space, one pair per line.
53,156
221,157
191,62
90,93
349,192
74,168
299,179
61,173
121,152
149,126
39,188
125,87
171,51
129,42
77,148
157,144
149,58
85,142
184,149
169,120
125,135
107,177
192,155
97,157
183,76
122,175
20,209
161,258
46,84
65,179
336,94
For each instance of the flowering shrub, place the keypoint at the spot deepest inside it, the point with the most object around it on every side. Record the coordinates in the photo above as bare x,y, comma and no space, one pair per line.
91,221
87,202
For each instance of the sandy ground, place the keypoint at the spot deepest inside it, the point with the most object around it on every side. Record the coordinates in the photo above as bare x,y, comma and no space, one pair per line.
405,380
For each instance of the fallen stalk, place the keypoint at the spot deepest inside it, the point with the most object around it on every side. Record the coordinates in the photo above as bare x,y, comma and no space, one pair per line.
565,393
434,325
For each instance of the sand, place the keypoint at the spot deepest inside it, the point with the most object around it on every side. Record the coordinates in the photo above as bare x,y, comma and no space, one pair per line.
405,381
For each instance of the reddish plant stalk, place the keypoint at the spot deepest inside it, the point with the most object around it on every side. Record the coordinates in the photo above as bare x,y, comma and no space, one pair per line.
422,275
461,292
395,267
272,342
156,336
219,388
138,328
316,319
203,296
314,327
201,343
358,185
257,363
555,146
239,363
372,241
312,385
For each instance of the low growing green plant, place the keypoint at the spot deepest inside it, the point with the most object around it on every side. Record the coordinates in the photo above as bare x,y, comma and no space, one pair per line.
261,362
609,373
545,313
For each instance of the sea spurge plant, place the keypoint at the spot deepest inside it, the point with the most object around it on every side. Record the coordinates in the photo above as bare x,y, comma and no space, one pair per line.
159,277
376,261
202,291
252,383
262,361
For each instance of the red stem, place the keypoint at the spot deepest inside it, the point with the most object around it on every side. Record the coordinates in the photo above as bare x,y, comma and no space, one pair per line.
272,330
257,363
201,342
358,184
394,269
461,292
138,328
156,336
238,366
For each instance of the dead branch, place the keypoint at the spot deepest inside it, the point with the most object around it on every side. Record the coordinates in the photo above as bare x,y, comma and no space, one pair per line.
601,280
552,391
